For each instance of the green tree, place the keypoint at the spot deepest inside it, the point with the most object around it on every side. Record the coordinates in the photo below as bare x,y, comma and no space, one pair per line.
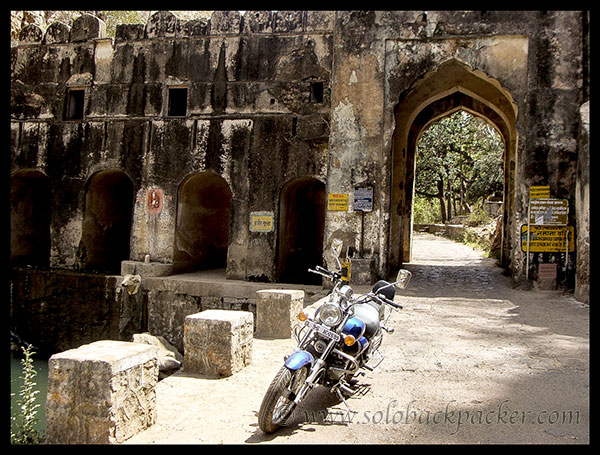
459,160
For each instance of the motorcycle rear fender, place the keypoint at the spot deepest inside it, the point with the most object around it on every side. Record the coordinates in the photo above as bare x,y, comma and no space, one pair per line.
299,359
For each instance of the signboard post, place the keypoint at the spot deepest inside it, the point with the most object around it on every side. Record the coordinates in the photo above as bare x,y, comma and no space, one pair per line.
548,212
547,239
543,214
337,202
363,199
363,202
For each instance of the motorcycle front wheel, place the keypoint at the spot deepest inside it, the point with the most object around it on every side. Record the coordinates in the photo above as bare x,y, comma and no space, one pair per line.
278,404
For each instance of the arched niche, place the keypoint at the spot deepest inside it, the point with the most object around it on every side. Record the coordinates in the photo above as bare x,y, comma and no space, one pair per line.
202,226
30,218
107,219
302,205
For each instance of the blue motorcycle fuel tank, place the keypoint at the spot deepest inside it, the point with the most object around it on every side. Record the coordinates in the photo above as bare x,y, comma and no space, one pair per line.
354,327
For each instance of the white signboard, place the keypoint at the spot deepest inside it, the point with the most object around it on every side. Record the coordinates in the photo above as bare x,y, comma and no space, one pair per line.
363,199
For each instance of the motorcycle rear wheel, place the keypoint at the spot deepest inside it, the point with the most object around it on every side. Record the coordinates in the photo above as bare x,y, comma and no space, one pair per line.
278,405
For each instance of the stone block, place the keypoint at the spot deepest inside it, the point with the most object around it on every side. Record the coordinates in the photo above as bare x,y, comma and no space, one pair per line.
546,279
276,312
217,343
225,22
87,27
288,21
258,22
362,271
161,24
101,393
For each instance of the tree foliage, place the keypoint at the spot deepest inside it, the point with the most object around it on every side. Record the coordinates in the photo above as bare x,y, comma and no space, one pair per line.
459,160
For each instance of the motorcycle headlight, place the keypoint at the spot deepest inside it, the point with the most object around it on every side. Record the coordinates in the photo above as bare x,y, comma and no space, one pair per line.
330,314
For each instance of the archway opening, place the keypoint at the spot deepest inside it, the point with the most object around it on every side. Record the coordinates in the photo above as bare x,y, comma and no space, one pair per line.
106,221
202,227
302,206
452,87
30,218
459,171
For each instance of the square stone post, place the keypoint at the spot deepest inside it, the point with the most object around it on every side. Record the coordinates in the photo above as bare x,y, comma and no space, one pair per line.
277,311
101,393
217,342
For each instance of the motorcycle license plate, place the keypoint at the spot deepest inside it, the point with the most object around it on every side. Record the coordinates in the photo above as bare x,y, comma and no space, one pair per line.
322,330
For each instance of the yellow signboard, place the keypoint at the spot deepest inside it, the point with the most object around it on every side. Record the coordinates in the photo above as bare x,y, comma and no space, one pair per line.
547,239
261,221
538,192
337,202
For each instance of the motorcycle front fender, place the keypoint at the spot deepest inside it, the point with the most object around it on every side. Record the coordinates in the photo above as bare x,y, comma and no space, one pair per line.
299,359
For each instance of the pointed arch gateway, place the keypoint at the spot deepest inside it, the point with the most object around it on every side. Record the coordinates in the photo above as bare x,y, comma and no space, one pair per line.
451,87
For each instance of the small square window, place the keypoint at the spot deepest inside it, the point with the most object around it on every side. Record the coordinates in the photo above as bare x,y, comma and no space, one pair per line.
316,92
75,104
177,102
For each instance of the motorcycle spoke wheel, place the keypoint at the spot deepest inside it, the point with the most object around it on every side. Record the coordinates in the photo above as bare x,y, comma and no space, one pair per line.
278,403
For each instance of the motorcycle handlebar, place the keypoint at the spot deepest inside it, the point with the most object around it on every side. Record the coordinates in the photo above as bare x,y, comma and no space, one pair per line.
333,276
326,273
388,301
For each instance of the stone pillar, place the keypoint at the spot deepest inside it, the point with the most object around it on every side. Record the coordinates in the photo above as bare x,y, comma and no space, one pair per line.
277,311
101,393
582,208
217,343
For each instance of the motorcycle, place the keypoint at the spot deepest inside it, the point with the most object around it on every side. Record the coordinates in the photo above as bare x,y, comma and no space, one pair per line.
342,339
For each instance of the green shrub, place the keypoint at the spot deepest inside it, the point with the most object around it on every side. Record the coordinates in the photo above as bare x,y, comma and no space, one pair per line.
23,430
426,211
478,215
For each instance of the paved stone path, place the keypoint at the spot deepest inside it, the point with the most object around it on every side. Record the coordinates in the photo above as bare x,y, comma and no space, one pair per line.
443,267
472,360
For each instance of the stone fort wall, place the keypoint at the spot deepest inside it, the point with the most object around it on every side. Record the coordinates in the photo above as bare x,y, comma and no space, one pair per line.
118,146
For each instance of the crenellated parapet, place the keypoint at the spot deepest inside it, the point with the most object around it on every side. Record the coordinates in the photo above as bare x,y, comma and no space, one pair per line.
164,24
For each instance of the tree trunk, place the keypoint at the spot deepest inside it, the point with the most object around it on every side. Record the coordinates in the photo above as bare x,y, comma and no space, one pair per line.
440,195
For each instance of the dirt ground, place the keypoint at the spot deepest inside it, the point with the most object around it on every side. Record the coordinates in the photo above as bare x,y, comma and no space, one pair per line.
471,361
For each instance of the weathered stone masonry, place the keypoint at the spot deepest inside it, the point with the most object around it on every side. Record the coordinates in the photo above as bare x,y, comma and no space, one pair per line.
160,148
249,120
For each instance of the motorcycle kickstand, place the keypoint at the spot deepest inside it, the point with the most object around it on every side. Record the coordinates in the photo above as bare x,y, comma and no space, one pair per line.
341,396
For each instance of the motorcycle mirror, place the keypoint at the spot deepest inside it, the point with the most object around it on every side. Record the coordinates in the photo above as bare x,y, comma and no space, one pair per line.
403,278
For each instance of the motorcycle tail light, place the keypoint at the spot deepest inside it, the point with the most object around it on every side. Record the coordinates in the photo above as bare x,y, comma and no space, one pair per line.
302,316
349,340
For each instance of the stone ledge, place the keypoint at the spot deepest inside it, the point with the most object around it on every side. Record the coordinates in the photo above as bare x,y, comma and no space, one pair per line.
146,268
